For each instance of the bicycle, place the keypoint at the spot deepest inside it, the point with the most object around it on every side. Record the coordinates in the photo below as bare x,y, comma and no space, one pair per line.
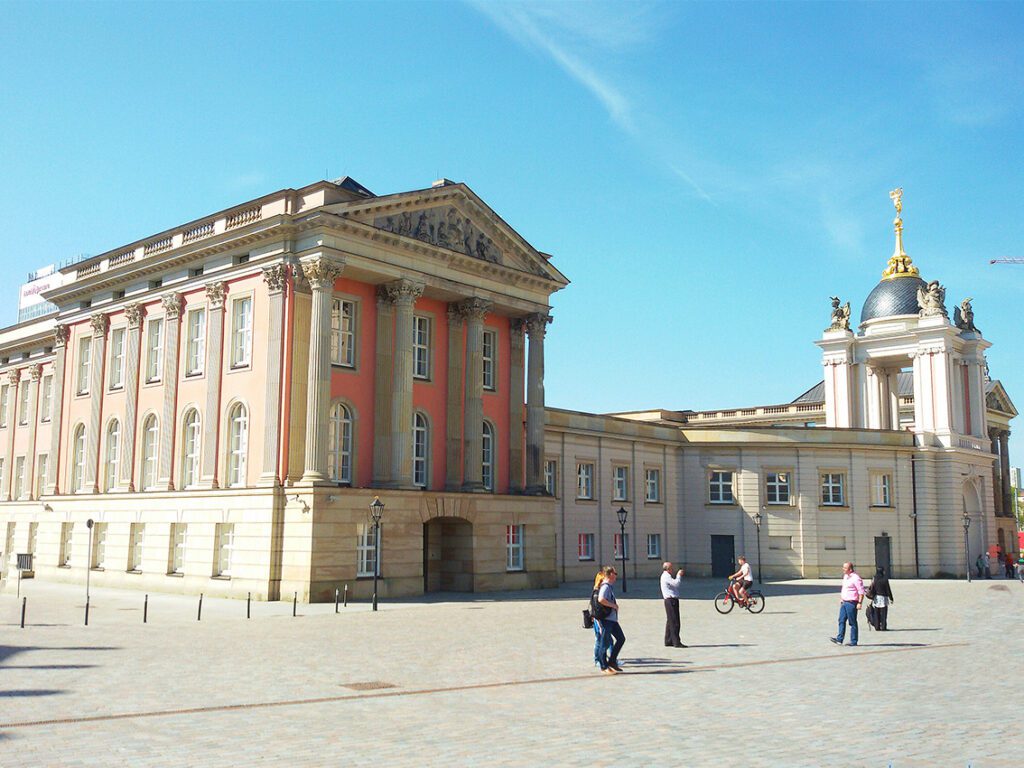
725,601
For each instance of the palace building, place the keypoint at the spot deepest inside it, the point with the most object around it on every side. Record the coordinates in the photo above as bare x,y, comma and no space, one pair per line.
214,408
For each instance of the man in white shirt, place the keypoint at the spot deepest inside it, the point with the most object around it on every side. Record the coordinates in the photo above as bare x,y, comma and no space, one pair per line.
670,594
745,579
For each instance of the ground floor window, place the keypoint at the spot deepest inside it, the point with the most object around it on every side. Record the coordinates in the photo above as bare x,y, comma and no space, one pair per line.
225,543
585,548
99,545
514,547
176,559
135,538
66,529
619,546
366,551
653,546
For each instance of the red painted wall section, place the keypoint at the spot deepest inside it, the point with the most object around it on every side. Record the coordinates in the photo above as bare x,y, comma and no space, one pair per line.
496,403
356,385
431,395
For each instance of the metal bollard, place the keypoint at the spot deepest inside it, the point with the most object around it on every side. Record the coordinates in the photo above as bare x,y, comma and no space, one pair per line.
199,616
336,593
145,609
295,603
248,606
87,611
346,595
23,601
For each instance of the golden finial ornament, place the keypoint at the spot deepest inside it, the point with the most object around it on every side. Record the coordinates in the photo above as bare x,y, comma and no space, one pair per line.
900,264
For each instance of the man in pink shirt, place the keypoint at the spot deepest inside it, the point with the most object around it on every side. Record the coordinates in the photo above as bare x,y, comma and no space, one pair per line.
850,598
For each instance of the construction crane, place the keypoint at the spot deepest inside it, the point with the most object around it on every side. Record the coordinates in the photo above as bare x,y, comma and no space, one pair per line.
1006,261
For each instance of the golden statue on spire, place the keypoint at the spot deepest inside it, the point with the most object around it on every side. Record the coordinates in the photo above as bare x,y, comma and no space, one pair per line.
900,264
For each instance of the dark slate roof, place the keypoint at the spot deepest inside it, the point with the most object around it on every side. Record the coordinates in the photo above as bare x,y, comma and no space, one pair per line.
816,394
892,297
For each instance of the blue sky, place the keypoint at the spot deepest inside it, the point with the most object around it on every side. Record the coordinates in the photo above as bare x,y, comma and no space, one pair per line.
707,175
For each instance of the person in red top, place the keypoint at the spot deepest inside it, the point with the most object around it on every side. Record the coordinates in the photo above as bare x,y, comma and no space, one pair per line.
850,598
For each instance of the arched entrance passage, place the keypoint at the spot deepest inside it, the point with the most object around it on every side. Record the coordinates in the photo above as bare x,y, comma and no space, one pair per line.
975,533
448,555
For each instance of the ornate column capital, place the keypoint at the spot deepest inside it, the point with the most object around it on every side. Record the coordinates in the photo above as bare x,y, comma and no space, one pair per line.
455,316
35,372
275,276
474,308
172,305
133,313
517,326
322,272
13,377
215,294
60,335
537,324
100,324
404,291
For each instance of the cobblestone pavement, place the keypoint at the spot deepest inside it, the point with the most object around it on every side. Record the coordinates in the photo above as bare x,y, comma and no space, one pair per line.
507,679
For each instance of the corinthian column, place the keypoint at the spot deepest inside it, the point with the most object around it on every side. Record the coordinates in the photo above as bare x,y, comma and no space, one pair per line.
404,294
321,274
214,360
453,432
172,328
60,348
382,375
133,313
474,311
536,327
13,377
1004,471
35,372
517,348
276,278
100,324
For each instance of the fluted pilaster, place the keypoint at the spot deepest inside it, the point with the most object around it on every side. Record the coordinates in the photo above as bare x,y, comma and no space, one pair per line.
517,349
100,325
215,298
35,373
382,377
403,294
60,349
172,304
453,431
133,313
474,311
276,278
536,328
13,382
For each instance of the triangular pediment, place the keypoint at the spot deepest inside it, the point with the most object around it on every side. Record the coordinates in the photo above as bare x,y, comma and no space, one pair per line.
998,400
453,218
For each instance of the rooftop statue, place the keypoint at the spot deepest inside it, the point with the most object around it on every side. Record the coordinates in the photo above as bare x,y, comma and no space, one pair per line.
963,316
840,315
932,300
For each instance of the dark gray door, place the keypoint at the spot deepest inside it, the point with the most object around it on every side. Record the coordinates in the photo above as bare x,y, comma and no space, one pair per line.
723,555
883,553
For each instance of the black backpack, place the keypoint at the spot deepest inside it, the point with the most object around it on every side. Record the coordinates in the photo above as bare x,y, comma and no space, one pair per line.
597,610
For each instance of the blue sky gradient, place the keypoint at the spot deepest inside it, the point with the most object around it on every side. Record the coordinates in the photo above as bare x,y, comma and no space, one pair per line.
707,175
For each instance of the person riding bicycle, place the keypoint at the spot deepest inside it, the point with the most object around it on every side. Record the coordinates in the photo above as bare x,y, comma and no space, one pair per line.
745,580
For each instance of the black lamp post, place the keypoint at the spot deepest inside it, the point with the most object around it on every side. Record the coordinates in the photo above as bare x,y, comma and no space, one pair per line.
757,523
376,512
917,560
88,569
967,546
622,514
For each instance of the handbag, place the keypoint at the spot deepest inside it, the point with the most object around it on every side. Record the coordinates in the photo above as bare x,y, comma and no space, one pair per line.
588,620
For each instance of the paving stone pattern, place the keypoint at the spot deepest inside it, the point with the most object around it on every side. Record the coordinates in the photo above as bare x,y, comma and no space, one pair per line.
507,679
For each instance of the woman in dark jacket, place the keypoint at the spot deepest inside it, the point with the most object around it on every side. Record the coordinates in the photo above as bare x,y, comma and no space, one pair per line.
881,597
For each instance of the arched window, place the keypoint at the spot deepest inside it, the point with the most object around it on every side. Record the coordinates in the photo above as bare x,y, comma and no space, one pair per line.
150,436
339,444
78,459
190,449
420,450
112,456
238,444
487,471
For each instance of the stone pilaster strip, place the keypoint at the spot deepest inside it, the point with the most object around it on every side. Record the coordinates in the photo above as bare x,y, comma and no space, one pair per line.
536,328
382,388
456,365
13,382
35,373
172,304
133,313
100,325
517,350
474,311
1004,472
276,279
215,297
404,294
57,408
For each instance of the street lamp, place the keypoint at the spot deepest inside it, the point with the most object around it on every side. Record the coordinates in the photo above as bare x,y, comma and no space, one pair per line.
917,560
88,569
622,514
376,512
967,548
757,522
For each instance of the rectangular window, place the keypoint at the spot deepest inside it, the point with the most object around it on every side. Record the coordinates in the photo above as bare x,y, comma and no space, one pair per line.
514,547
584,481
23,392
41,463
490,345
33,537
5,394
136,536
176,559
551,477
780,542
19,477
832,489
46,401
154,349
195,345
720,487
117,358
617,555
366,551
84,356
777,487
880,485
653,482
225,543
66,531
585,547
653,546
620,483
99,545
241,332
343,333
421,347
835,542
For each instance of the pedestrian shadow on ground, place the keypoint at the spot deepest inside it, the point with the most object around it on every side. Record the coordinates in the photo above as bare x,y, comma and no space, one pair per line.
652,662
33,624
894,645
913,629
50,666
780,613
27,692
724,645
7,651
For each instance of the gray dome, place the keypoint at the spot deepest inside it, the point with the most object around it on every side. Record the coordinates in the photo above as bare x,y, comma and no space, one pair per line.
897,296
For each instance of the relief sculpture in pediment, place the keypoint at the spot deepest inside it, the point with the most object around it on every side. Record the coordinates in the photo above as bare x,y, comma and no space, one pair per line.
444,227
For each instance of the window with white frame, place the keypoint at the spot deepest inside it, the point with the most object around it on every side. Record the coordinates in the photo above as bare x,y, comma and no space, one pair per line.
176,559
116,368
343,332
421,347
653,546
195,343
487,460
150,438
832,489
41,461
339,443
84,360
154,349
46,399
584,480
66,532
777,487
241,332
514,547
780,542
136,536
618,546
19,477
112,455
551,477
720,487
585,546
99,545
78,459
834,542
23,392
366,550
881,483
420,450
225,544
33,537
620,483
5,395
490,346
652,478
238,445
192,434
